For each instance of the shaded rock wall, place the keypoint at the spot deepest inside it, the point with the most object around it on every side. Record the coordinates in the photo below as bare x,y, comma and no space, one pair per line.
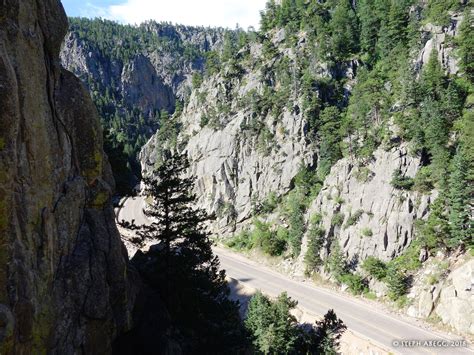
63,270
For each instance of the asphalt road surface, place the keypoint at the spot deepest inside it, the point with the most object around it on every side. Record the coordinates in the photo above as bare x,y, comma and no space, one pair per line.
384,329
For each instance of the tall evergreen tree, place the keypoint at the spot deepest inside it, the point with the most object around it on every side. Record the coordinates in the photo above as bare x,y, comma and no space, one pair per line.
460,200
370,24
344,31
182,267
329,134
272,327
466,44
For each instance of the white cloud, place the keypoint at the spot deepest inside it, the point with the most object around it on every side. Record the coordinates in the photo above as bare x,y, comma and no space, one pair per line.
225,13
91,10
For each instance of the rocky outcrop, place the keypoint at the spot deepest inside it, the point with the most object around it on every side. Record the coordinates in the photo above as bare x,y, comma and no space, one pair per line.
437,38
64,283
141,87
236,160
363,212
444,289
156,73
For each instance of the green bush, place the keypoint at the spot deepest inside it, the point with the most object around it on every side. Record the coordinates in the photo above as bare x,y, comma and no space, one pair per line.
270,203
242,241
363,174
266,239
337,219
204,120
367,232
197,80
356,283
397,283
354,218
401,182
375,267
423,181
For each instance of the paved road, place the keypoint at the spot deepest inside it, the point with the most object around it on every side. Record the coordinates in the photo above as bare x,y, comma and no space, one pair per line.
132,209
360,317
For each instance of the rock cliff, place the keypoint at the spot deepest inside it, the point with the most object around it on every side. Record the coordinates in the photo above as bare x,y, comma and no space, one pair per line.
64,283
153,73
247,131
443,290
373,217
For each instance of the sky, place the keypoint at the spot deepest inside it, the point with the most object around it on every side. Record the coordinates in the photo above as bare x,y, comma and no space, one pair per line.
215,13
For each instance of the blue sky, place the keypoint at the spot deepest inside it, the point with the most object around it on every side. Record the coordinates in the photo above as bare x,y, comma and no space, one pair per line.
225,13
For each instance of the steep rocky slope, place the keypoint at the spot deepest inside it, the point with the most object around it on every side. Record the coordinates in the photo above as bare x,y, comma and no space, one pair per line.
164,55
273,116
376,219
64,283
136,75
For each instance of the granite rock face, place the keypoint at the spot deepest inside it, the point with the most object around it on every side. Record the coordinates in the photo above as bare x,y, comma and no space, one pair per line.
235,167
376,219
143,88
64,285
437,38
444,289
154,77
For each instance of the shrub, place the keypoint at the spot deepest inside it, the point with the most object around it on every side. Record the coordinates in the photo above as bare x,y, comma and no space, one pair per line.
337,219
356,283
397,283
204,120
266,239
363,174
241,241
370,295
197,80
315,243
375,267
354,218
401,182
423,181
367,232
270,203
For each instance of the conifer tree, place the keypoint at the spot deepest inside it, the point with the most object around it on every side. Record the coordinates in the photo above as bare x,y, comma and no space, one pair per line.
466,44
182,267
460,200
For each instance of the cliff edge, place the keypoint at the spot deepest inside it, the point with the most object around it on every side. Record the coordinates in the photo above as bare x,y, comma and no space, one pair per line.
63,270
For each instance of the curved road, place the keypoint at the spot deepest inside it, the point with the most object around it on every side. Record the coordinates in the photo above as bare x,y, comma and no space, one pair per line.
362,319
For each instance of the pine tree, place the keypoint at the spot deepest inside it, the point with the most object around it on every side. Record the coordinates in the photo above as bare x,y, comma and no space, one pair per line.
344,31
328,333
315,243
370,25
330,137
182,267
460,200
272,327
432,78
336,263
466,44
397,22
